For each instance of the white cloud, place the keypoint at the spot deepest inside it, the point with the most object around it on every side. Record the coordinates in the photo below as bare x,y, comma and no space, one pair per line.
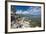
18,11
25,12
31,10
34,10
22,12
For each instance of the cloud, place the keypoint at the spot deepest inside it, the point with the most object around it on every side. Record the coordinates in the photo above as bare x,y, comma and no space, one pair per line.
31,10
25,12
18,11
34,10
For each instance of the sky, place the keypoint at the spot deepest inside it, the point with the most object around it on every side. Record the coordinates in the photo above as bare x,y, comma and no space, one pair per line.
33,10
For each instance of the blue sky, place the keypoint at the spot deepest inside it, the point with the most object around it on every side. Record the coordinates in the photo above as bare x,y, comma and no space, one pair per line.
33,10
23,8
